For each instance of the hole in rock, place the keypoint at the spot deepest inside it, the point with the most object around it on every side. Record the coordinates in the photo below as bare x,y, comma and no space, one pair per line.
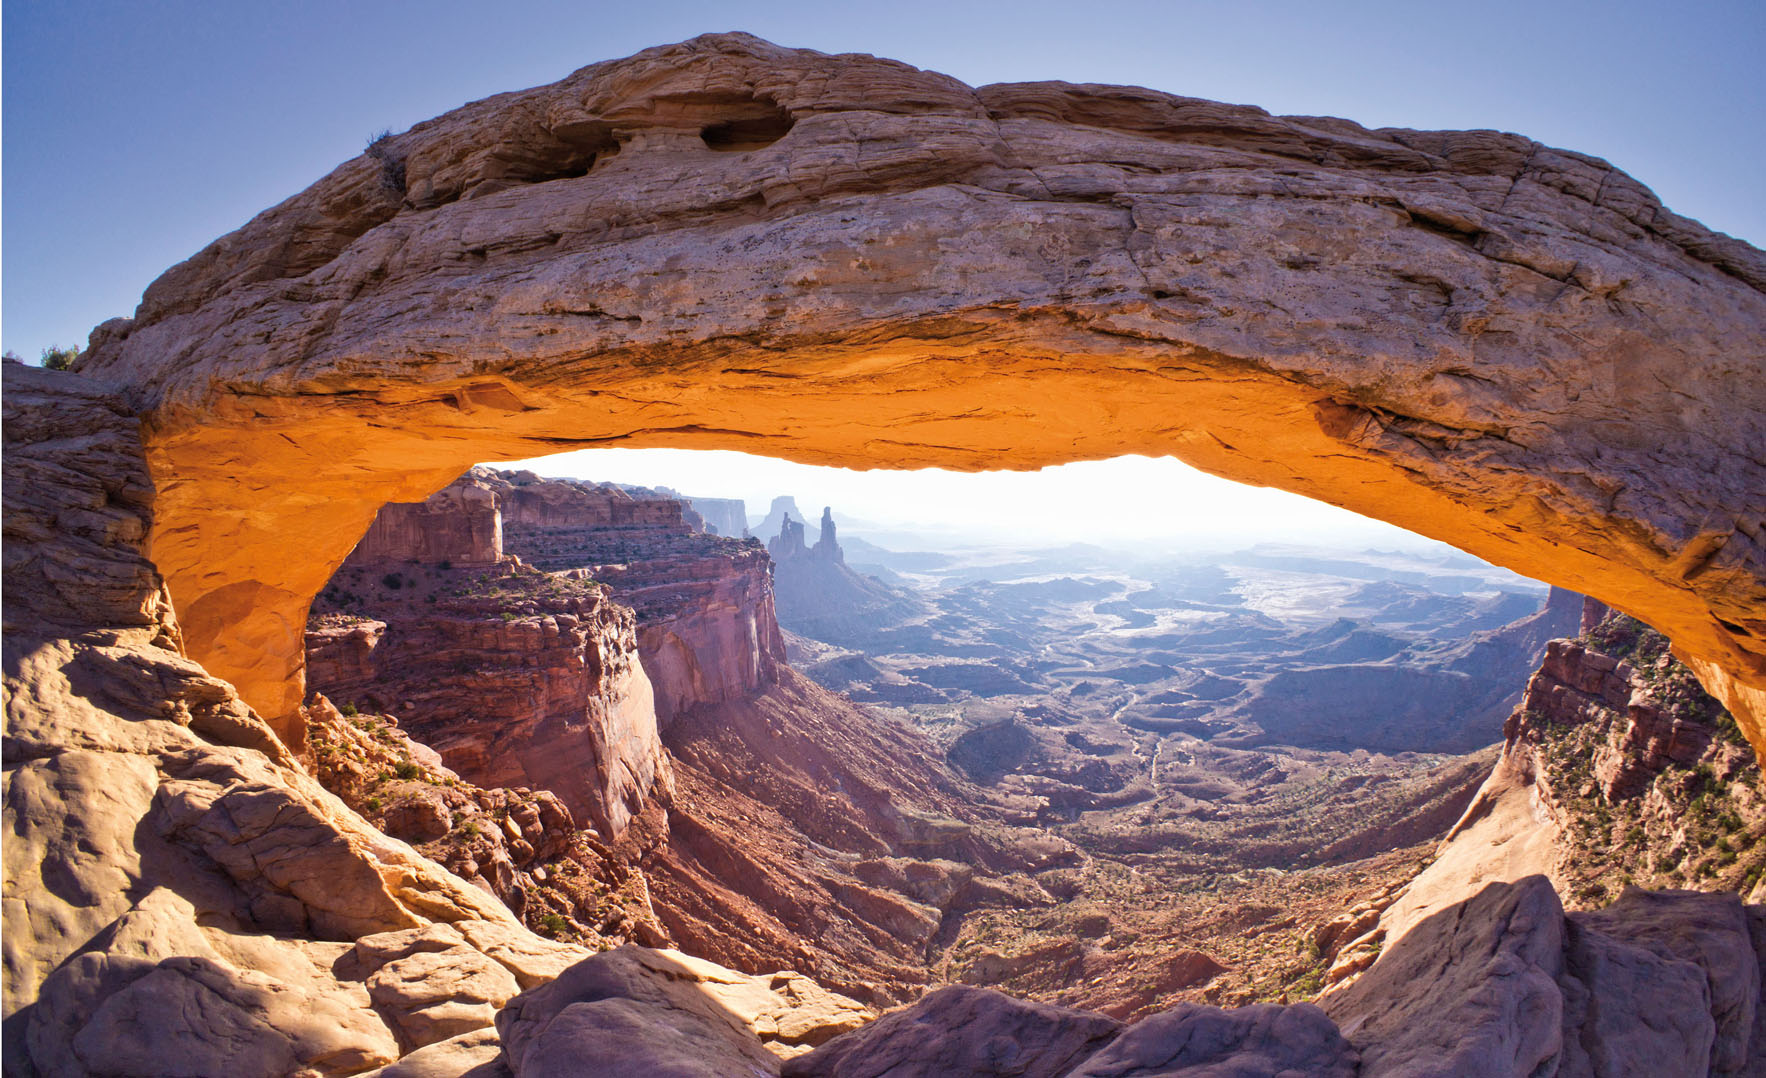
1114,734
754,124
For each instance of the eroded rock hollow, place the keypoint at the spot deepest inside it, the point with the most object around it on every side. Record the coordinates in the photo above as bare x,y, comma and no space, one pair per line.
844,260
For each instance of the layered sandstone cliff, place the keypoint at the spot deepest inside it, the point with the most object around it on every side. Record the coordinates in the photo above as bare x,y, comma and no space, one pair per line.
722,516
705,624
515,676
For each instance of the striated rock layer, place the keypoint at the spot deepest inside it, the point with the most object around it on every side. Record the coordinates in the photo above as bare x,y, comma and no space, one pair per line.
516,676
844,260
705,625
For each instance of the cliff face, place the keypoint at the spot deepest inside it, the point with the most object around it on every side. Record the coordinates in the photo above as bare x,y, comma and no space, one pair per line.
516,676
706,629
459,525
1617,769
723,516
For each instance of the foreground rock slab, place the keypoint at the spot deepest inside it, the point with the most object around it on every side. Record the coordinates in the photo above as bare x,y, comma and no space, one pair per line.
961,1032
639,1011
1260,1041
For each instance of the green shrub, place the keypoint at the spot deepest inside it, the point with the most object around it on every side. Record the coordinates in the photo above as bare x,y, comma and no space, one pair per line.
348,710
56,358
407,770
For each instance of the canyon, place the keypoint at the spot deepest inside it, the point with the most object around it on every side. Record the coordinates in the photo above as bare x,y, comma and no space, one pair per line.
322,757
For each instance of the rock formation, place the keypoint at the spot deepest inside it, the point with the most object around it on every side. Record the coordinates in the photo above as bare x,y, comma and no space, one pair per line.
704,604
722,516
1616,768
728,244
784,508
179,894
818,596
516,676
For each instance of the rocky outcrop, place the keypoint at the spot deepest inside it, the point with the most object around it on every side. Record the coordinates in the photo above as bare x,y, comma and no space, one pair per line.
772,526
180,895
1617,768
963,1031
1509,347
723,516
515,676
705,625
1258,1041
639,1011
1663,983
819,597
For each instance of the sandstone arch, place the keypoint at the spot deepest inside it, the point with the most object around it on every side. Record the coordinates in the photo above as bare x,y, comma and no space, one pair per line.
844,260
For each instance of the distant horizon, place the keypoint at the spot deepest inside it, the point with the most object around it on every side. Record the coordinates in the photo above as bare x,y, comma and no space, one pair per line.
1131,501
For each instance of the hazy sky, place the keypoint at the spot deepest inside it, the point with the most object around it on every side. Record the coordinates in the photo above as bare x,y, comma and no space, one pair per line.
135,132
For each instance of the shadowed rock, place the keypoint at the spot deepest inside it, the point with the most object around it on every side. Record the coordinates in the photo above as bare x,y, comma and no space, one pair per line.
961,1032
1259,1041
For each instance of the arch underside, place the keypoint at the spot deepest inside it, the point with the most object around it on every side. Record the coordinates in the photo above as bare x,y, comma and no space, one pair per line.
841,260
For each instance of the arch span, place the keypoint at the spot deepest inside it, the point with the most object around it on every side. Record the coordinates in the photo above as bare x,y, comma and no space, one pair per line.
845,260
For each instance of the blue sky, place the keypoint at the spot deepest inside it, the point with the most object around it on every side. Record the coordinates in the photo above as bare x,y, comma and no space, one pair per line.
135,132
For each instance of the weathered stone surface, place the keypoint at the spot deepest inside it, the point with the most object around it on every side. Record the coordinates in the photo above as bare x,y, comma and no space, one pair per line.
961,1032
1260,1041
629,1011
706,628
470,1055
1472,990
1710,933
1634,1012
431,996
458,524
157,995
1513,348
179,896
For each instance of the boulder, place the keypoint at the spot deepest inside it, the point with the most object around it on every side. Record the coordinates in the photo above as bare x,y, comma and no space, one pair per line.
962,1032
629,1011
1469,991
431,996
477,1054
1264,1040
1709,933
